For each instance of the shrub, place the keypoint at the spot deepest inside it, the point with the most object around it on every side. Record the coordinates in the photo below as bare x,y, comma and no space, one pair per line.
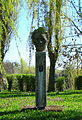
78,82
9,80
21,82
29,83
60,83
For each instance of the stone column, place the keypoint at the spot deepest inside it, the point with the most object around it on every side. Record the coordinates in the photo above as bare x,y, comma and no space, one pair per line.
40,80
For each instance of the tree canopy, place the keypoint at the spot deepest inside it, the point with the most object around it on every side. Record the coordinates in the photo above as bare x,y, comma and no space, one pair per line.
8,17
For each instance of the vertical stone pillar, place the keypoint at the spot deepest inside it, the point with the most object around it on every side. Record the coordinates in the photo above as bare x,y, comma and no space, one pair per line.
40,80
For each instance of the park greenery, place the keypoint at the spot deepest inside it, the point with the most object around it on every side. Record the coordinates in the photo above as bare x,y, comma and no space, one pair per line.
15,72
11,104
27,82
17,80
53,17
8,17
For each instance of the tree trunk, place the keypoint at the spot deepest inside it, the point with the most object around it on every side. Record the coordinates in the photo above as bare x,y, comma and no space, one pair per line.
2,50
51,76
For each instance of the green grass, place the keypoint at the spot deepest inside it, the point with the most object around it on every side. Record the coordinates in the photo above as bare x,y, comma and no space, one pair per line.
12,102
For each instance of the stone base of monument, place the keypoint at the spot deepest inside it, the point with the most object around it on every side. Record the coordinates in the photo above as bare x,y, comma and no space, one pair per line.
54,108
28,108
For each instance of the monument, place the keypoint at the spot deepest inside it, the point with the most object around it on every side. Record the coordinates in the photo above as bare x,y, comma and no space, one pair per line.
39,39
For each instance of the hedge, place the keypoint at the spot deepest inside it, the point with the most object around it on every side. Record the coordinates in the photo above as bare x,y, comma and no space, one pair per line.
9,80
78,82
60,83
21,82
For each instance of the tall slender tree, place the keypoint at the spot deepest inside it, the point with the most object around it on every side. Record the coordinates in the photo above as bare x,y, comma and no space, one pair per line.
54,28
51,14
8,16
53,22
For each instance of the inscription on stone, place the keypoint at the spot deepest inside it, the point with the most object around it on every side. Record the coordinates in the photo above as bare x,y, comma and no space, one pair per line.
40,68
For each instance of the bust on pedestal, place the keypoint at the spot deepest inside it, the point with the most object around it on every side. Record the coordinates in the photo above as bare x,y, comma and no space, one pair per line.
39,38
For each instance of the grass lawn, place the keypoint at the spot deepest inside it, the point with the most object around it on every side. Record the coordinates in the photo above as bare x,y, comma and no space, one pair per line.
11,104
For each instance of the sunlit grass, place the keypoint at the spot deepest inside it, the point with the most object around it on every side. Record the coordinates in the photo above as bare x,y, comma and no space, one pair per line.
11,104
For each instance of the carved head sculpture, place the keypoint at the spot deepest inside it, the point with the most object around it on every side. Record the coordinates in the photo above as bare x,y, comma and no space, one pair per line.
39,38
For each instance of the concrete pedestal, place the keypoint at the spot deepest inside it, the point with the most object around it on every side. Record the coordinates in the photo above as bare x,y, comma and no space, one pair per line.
40,80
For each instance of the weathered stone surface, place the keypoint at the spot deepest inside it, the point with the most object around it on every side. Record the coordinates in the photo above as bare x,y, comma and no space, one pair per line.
30,107
54,108
39,38
40,80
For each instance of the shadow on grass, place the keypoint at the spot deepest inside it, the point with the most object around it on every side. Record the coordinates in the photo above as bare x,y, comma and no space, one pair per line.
64,93
40,115
25,94
9,112
16,94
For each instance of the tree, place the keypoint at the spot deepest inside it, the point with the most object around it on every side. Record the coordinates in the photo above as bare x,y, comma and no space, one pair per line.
73,45
55,15
12,67
18,68
23,66
54,28
8,16
25,69
48,16
77,17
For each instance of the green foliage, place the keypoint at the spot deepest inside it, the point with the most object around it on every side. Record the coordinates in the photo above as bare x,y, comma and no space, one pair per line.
30,83
16,68
11,104
23,66
21,82
78,82
8,17
70,73
10,80
60,83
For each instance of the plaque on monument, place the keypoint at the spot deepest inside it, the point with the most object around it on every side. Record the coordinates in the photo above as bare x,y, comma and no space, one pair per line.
41,68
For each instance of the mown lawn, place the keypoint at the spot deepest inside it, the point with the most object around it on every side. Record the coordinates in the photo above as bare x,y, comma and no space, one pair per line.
11,104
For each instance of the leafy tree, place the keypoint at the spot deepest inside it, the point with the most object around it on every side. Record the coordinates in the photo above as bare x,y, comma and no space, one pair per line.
77,17
8,16
54,28
71,65
23,66
49,16
70,75
72,48
12,67
25,69
17,68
